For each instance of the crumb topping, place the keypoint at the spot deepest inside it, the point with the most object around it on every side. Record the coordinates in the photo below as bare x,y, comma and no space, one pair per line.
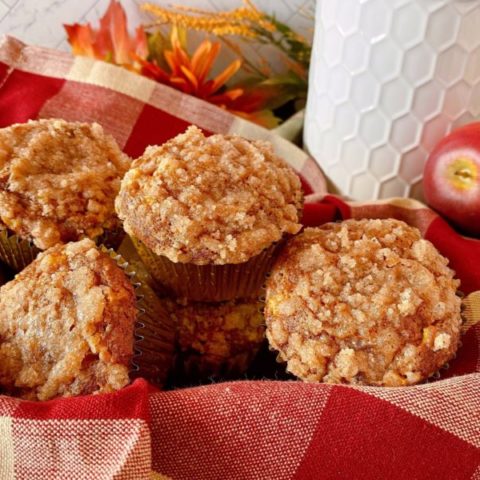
221,199
219,331
58,180
363,302
66,325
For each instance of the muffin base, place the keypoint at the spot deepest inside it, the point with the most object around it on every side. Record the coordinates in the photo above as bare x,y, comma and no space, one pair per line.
209,283
194,368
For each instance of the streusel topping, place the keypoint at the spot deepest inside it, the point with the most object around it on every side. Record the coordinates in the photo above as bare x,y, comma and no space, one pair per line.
59,180
365,302
66,325
220,199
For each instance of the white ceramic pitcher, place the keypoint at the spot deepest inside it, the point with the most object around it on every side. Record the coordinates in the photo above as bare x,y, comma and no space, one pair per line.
388,79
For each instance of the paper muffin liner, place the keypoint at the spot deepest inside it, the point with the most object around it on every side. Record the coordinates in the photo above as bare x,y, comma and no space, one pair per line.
16,252
470,310
209,283
154,333
128,251
216,345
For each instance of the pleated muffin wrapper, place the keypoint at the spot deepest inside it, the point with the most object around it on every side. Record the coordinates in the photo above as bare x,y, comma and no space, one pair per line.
209,283
154,333
470,310
17,252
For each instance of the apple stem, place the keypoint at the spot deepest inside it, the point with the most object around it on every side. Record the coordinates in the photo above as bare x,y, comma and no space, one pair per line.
464,173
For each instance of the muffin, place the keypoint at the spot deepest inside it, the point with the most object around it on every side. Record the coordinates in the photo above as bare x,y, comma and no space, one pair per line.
207,213
363,302
66,325
58,183
217,340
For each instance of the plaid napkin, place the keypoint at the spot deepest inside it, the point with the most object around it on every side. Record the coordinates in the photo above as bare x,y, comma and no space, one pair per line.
238,430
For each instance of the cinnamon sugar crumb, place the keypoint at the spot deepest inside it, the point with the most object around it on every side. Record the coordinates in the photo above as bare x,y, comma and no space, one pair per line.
58,180
203,200
66,325
363,302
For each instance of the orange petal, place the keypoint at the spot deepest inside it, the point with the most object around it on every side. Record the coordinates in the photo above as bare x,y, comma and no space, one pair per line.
181,56
225,76
190,77
171,62
204,58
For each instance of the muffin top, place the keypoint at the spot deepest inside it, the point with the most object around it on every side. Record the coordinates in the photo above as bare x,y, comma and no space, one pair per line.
219,331
363,302
58,180
210,200
66,325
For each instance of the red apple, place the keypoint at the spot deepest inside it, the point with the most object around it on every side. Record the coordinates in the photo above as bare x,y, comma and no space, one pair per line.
451,179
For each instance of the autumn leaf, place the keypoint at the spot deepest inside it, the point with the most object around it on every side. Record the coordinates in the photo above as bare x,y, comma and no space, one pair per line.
111,41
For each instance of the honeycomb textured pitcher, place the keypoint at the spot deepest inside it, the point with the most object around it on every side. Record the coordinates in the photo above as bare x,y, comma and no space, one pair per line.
388,79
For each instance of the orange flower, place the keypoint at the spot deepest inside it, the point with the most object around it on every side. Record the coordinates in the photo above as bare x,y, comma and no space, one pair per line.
190,75
111,42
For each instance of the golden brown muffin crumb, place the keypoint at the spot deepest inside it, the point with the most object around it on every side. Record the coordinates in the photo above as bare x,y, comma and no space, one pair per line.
66,325
363,302
215,336
221,199
59,180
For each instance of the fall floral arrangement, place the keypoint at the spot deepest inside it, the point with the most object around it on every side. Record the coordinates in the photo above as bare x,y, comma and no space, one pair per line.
250,89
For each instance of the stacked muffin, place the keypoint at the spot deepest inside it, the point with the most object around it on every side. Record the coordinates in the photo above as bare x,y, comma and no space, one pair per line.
207,216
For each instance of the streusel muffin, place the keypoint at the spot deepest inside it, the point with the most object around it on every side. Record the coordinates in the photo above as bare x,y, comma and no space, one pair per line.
363,302
58,183
217,339
67,325
207,213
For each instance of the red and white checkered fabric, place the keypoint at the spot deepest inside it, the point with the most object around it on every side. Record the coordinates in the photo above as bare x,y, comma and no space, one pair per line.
240,430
